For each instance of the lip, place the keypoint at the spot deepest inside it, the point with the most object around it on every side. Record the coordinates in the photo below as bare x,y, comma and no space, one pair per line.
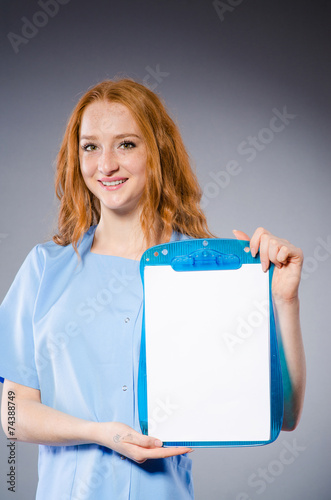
112,179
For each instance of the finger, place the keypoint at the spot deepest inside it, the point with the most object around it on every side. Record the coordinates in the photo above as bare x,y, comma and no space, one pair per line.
290,252
264,251
274,247
240,235
287,252
144,454
140,440
169,452
283,254
256,240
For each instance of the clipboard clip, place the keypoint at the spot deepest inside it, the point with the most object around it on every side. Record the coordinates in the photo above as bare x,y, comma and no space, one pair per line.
205,260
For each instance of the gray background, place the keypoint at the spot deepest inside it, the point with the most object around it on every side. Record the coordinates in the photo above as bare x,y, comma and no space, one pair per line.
224,77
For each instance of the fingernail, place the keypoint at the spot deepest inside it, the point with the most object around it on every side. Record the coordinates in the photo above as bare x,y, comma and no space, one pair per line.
253,252
158,442
190,451
264,266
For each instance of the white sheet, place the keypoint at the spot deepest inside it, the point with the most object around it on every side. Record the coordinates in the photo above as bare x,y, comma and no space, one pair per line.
207,351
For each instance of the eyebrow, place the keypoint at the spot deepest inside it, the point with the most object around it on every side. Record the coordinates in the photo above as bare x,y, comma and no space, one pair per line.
118,136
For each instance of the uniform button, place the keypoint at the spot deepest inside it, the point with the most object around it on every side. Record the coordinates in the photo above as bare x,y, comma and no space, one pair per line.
127,320
125,387
123,458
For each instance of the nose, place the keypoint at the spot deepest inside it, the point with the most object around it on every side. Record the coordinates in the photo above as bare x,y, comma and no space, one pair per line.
108,163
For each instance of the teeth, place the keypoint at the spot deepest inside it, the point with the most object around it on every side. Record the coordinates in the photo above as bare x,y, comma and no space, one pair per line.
113,183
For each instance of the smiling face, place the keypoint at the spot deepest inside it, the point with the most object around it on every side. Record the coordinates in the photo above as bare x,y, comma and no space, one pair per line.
112,155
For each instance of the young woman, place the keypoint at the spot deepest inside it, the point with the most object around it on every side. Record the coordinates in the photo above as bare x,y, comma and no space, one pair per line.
70,324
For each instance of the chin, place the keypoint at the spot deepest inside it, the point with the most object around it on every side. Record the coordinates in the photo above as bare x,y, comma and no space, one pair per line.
120,208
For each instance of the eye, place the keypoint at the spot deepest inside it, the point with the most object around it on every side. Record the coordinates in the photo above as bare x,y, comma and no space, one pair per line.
89,147
127,145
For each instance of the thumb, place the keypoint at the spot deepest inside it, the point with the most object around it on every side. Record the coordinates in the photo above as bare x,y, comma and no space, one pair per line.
240,235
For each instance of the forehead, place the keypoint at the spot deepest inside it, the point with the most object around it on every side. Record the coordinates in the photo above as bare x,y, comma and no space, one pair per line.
105,116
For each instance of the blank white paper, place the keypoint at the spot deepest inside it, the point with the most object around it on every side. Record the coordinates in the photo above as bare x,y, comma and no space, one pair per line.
207,354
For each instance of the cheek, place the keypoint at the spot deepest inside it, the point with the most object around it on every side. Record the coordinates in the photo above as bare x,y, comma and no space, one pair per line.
141,176
86,168
141,167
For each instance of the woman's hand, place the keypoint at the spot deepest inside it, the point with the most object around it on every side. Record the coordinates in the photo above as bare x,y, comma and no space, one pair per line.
38,423
287,259
130,443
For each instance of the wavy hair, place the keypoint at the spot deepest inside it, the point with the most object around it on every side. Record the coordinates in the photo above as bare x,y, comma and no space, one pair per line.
171,197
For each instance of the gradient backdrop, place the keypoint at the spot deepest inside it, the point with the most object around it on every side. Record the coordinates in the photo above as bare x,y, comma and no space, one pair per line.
225,70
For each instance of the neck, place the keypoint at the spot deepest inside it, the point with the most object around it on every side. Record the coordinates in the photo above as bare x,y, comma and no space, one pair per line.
119,235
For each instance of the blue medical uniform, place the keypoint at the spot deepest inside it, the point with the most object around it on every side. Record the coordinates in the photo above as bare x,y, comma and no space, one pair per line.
72,330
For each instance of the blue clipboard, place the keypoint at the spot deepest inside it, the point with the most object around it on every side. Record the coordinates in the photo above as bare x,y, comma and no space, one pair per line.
209,369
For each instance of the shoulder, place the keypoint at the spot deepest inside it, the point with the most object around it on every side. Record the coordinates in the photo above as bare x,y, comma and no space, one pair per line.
50,253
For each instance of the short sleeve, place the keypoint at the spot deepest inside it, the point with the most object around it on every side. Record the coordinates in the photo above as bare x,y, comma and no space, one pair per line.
17,352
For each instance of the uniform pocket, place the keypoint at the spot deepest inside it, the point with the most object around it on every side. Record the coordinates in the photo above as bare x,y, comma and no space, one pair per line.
183,461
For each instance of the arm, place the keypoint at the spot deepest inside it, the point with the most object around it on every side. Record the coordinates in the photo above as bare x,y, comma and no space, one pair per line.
38,423
292,358
285,284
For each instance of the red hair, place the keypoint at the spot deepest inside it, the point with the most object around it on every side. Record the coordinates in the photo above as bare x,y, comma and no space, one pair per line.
172,194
